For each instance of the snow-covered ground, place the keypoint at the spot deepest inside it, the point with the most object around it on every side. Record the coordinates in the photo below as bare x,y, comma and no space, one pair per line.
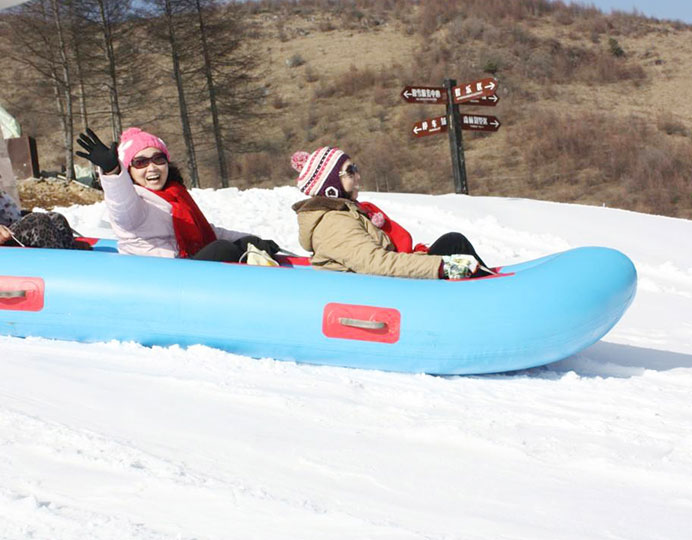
119,441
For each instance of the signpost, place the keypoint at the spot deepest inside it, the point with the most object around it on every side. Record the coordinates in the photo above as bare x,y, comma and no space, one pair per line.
475,122
480,122
430,127
455,142
424,94
474,90
479,93
485,101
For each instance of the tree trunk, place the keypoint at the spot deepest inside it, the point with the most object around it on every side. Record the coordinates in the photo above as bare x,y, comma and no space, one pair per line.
184,116
218,137
66,84
77,53
116,114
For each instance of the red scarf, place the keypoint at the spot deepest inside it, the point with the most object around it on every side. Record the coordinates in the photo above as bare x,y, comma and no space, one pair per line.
192,230
399,236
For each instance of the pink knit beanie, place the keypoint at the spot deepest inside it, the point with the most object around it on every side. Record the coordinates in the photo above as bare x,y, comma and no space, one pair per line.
319,172
133,140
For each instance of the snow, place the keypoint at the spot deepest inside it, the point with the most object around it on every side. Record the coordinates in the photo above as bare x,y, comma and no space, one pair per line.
115,440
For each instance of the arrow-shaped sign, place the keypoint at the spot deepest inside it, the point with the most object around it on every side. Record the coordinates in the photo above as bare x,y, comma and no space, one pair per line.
469,122
431,126
485,101
424,94
474,90
479,122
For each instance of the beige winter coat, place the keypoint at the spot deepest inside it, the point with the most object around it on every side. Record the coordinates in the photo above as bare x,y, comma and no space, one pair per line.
341,237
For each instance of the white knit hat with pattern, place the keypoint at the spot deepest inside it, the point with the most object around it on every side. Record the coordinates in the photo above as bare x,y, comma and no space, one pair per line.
319,172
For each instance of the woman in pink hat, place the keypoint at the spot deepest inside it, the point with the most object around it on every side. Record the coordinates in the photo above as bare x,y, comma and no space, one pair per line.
151,211
346,235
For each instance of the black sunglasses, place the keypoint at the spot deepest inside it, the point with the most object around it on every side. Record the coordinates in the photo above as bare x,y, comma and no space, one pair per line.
156,159
350,170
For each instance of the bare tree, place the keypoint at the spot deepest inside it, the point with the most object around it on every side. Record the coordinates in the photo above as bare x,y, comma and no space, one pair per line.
211,88
66,87
107,15
222,67
120,53
170,15
76,30
40,43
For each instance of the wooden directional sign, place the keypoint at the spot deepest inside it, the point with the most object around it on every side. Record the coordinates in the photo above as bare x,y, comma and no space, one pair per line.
479,122
424,94
474,90
432,126
480,93
485,101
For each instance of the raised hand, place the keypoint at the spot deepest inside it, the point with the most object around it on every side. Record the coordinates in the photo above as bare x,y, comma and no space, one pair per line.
98,153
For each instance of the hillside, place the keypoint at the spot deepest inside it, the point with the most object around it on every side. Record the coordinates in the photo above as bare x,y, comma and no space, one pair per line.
579,124
595,109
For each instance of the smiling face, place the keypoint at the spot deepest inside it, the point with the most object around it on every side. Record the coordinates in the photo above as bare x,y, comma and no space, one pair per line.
350,179
153,176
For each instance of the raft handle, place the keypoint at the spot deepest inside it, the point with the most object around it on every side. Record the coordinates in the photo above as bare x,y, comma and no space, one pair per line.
359,323
13,294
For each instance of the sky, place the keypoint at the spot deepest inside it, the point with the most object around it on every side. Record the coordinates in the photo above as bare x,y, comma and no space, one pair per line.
661,9
112,441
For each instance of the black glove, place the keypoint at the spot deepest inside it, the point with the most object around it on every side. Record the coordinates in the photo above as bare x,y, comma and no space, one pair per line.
98,153
269,246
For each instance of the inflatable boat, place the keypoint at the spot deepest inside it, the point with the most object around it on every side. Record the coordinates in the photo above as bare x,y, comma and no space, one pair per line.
527,315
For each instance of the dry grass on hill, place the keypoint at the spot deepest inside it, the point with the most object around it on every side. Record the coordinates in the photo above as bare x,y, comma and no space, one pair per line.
580,123
595,109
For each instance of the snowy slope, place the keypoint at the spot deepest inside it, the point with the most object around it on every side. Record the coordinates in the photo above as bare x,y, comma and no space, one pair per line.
116,441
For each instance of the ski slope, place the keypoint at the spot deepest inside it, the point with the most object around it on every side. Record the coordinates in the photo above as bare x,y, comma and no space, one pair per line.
115,440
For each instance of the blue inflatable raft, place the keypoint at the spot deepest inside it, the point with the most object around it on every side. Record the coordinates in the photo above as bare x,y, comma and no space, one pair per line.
530,314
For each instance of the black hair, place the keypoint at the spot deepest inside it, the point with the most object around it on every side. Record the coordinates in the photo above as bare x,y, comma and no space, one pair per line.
175,174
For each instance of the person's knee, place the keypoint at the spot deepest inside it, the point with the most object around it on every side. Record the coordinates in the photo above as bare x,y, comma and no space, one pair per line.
219,250
455,237
451,243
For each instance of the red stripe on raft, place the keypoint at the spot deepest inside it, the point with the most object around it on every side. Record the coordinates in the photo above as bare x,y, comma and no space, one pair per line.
90,241
491,276
285,260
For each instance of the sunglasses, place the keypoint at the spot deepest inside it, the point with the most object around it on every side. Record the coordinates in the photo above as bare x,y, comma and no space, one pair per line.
350,170
156,159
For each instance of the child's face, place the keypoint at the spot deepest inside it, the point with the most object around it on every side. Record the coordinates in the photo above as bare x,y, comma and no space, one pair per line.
350,178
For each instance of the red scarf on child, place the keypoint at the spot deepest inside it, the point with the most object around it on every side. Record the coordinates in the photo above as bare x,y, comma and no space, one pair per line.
192,230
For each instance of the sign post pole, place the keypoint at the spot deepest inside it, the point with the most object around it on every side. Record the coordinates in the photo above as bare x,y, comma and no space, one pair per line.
479,93
455,141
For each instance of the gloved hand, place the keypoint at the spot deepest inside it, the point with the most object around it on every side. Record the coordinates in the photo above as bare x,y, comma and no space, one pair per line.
269,246
458,266
98,153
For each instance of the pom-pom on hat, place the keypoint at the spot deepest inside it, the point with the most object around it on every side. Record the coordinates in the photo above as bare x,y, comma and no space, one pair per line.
319,172
133,140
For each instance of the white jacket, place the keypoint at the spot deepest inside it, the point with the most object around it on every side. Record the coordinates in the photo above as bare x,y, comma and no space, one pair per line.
142,220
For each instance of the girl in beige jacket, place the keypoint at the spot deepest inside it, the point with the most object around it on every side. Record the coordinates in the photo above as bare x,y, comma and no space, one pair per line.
342,237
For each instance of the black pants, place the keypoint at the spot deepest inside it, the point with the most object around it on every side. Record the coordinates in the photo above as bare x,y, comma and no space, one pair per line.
456,243
220,250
